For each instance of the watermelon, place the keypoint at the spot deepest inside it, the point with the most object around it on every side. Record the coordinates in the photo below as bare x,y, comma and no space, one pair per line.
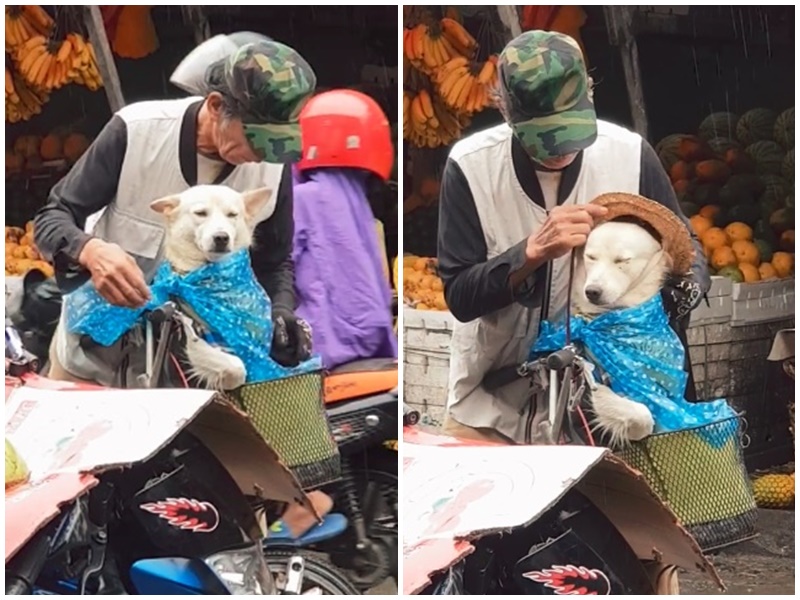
756,125
719,124
775,185
689,209
764,249
752,183
732,195
787,167
767,155
706,194
667,150
783,132
720,145
762,231
745,213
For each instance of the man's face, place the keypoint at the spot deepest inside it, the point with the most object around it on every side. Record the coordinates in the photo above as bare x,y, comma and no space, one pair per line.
558,163
232,145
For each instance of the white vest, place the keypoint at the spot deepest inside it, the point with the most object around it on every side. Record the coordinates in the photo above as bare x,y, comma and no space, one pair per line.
151,170
508,216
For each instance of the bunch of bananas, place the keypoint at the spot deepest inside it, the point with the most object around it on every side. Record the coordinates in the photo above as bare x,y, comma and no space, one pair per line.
25,22
464,85
47,65
84,63
22,102
429,46
428,123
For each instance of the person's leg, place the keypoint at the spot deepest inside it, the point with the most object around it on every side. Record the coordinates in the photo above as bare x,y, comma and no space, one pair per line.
455,429
58,372
298,520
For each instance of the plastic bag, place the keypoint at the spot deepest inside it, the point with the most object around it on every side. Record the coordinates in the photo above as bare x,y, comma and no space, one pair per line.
224,295
17,471
452,584
643,359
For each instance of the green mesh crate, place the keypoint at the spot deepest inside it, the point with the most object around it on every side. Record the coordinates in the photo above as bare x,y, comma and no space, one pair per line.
290,415
706,485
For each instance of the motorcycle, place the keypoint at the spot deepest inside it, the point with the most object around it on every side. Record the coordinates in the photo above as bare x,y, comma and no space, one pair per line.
485,518
178,522
362,409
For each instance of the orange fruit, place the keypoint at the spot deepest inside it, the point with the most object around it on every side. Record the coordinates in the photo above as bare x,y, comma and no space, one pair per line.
700,224
750,272
723,257
709,212
787,240
714,238
739,231
767,271
427,282
746,252
783,263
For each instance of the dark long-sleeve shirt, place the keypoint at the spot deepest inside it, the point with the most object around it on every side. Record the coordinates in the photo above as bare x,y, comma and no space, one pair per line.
91,185
475,286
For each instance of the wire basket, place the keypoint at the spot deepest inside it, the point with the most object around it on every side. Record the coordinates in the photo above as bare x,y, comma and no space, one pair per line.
290,415
701,475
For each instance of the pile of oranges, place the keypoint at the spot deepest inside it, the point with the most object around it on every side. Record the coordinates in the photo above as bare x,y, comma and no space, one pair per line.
733,252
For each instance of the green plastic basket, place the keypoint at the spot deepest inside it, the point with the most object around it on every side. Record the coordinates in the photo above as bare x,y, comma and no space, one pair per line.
705,484
290,415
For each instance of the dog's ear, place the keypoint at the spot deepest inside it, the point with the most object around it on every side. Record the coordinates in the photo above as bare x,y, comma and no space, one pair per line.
259,203
666,257
165,206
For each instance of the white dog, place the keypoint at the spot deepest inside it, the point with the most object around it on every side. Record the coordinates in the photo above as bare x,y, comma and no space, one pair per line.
621,266
204,224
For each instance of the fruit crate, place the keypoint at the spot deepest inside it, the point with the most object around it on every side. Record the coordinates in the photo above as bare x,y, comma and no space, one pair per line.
426,360
719,306
762,302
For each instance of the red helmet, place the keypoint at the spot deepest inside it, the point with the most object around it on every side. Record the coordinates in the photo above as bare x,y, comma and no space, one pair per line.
345,128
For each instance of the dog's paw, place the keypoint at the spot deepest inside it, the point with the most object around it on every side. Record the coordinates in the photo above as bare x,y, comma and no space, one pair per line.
234,375
621,420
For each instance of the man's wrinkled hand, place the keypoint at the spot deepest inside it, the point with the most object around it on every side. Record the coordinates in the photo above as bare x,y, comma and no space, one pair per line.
115,274
566,228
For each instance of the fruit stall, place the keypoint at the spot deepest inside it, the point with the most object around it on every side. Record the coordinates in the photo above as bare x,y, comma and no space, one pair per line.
726,141
58,59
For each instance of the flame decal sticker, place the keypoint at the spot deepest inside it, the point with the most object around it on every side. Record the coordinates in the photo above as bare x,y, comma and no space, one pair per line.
569,580
188,514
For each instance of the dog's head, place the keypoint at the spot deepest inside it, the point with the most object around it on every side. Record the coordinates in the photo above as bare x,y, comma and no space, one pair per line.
621,265
213,220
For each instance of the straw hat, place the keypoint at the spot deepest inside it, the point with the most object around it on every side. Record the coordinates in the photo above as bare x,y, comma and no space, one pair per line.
675,237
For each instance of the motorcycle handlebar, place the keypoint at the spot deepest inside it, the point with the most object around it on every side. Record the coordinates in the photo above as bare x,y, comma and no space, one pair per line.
557,361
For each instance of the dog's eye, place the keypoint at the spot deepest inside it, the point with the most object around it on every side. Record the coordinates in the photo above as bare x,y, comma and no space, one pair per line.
232,215
201,213
590,257
621,261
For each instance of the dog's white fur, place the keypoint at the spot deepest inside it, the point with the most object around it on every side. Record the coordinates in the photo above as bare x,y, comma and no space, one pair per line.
621,266
204,224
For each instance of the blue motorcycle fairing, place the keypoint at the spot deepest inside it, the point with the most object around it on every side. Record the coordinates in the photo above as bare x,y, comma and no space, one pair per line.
174,577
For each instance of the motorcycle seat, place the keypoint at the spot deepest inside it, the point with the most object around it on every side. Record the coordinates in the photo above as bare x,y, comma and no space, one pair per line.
360,378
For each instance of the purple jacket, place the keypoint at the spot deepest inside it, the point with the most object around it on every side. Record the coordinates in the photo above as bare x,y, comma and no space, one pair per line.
341,285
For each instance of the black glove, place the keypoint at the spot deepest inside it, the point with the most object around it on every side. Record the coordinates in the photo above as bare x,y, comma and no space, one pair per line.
681,297
291,338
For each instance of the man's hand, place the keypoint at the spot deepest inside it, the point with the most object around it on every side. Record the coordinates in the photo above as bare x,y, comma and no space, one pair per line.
291,338
115,274
566,227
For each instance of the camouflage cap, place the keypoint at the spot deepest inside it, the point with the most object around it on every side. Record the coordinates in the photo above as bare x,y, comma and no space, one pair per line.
271,82
548,94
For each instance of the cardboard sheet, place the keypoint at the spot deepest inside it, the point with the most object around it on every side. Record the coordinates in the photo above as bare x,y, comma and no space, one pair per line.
70,434
455,492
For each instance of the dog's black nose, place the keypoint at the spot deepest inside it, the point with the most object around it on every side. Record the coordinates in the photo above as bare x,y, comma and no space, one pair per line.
593,294
221,241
